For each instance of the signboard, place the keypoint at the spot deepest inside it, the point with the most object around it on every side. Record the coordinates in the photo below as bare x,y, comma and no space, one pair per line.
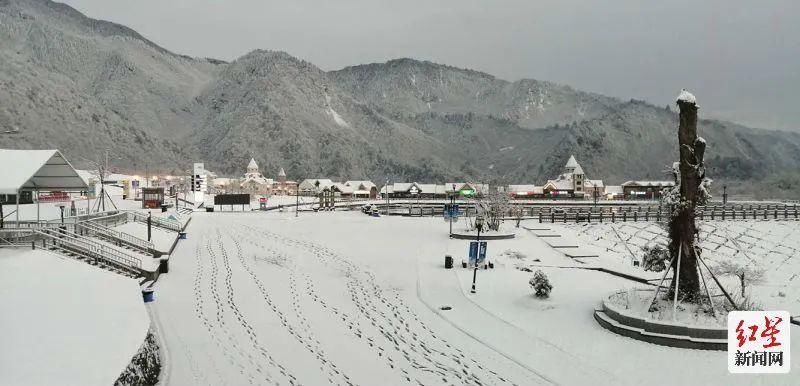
232,199
477,252
450,212
199,184
467,192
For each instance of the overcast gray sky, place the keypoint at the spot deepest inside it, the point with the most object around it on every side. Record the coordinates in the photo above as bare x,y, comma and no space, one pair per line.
740,57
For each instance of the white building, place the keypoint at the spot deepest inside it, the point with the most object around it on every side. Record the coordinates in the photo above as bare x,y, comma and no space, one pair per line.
254,182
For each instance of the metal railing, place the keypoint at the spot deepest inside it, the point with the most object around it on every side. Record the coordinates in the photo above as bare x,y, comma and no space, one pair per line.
91,227
155,221
71,242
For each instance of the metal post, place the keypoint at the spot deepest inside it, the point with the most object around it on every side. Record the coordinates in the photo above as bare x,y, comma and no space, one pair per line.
677,282
658,288
297,201
475,269
17,208
149,226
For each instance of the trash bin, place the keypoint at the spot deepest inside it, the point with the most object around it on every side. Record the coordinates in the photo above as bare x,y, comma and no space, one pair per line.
209,209
182,235
147,295
163,266
163,208
448,262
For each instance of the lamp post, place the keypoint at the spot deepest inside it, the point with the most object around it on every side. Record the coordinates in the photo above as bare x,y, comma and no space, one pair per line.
452,206
724,194
387,196
297,201
479,227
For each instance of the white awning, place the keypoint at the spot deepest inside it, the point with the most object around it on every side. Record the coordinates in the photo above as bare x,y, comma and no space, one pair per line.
45,170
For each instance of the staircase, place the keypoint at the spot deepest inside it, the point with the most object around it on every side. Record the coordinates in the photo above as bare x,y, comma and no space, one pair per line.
92,252
171,225
118,238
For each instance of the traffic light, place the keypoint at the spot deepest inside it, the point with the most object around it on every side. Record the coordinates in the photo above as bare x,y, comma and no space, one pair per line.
192,183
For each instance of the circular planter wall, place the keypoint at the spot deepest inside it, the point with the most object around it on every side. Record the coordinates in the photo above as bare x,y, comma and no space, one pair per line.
625,322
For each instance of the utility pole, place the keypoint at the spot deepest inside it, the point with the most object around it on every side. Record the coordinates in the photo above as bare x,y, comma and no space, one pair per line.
297,200
452,209
724,194
479,226
387,196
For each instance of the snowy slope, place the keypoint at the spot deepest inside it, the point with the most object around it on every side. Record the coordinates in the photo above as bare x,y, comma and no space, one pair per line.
65,322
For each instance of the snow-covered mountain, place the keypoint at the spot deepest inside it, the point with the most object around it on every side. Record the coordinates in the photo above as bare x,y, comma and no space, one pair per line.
85,85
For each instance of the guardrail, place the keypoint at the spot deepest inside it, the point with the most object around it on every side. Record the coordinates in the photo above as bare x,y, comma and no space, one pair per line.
72,242
155,221
703,214
91,227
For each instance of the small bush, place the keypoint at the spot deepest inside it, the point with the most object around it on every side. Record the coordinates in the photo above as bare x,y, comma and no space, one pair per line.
655,258
540,284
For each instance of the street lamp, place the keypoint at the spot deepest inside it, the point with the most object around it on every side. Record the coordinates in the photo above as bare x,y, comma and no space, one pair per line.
452,208
724,194
479,227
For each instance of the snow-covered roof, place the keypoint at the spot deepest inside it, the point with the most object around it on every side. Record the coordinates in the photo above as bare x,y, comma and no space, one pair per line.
572,163
648,183
252,164
342,188
356,184
594,183
687,97
310,183
281,173
614,189
578,170
37,170
525,189
559,185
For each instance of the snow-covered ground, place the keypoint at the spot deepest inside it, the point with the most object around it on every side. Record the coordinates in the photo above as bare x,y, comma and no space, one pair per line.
774,246
64,322
343,298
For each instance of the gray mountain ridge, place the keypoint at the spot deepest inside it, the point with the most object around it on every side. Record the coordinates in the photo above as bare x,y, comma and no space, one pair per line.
83,86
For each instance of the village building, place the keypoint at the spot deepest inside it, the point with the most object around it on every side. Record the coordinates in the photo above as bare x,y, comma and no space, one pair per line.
282,186
313,186
363,189
433,191
645,190
254,182
522,192
572,183
614,192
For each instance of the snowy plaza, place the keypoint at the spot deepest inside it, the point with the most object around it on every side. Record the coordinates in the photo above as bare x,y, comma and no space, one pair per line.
344,298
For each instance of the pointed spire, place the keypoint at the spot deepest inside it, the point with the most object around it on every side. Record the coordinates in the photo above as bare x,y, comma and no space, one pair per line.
281,173
572,163
252,164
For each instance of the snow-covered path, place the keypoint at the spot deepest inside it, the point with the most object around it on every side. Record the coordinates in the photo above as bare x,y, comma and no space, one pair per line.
250,299
343,298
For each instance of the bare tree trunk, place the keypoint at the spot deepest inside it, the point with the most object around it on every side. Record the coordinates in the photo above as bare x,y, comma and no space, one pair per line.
682,227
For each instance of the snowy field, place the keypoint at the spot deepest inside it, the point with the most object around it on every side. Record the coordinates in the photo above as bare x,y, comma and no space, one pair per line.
773,246
65,322
342,298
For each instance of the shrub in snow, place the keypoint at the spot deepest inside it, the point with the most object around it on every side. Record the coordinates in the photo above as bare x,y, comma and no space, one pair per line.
655,258
540,284
145,366
746,273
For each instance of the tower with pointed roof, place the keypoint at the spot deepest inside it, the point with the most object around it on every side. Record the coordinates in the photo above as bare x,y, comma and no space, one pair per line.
252,167
282,176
